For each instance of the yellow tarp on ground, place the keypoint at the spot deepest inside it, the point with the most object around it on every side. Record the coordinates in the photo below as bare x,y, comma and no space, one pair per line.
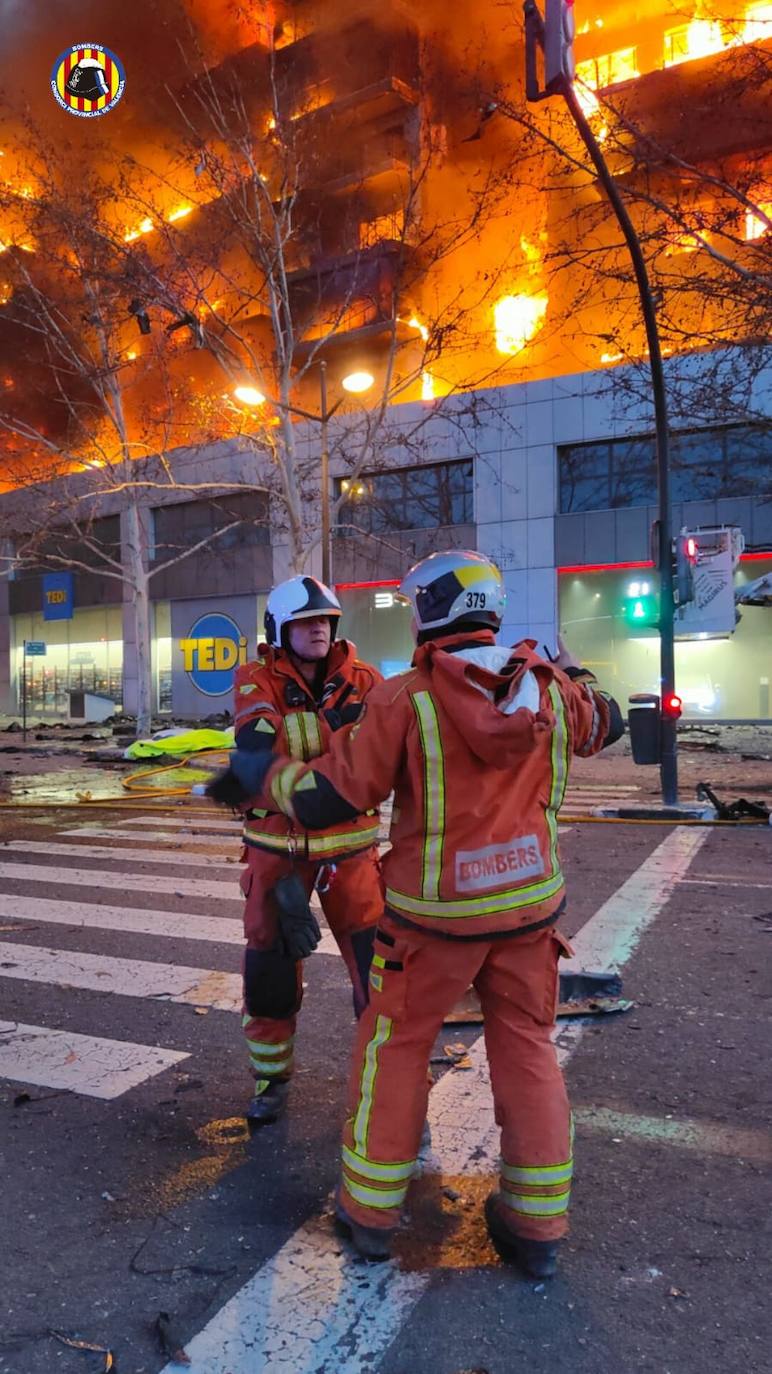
179,746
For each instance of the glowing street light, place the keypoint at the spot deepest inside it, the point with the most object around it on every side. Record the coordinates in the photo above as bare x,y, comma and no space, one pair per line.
249,395
357,382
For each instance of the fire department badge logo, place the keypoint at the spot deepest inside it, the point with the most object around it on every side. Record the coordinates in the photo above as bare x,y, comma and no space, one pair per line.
87,80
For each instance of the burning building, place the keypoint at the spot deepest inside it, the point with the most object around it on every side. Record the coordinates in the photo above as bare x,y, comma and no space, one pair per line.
333,229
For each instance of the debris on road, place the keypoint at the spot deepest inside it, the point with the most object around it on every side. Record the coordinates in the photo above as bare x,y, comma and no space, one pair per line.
110,1364
169,1340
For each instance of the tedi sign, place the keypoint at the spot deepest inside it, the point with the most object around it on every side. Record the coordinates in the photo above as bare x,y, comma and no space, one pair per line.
211,652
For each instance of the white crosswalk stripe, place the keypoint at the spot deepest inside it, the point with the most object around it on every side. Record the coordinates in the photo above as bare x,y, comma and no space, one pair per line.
98,851
180,837
185,822
136,921
121,882
197,987
101,1067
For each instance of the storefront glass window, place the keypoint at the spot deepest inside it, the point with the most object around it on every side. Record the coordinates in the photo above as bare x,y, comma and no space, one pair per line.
82,654
379,626
609,628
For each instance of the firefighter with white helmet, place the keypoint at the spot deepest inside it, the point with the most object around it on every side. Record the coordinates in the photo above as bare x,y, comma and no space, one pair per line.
475,741
304,685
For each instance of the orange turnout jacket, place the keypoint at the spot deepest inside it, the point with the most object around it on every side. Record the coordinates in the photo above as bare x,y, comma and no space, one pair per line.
475,741
276,710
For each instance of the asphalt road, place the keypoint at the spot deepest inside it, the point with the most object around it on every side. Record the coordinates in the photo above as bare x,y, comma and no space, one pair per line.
130,1186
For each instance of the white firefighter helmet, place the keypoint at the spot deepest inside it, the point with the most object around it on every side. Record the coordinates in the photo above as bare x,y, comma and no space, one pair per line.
299,598
459,585
87,80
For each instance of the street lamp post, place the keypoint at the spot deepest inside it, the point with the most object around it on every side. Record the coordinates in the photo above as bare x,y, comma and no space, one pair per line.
325,475
356,383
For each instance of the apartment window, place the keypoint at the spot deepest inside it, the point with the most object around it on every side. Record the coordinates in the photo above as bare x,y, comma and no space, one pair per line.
700,38
705,465
758,23
83,545
755,226
179,527
407,498
609,69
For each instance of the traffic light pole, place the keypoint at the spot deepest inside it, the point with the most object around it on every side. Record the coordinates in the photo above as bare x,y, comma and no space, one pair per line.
668,768
550,36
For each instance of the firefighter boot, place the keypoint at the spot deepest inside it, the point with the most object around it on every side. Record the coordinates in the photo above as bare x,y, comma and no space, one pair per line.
371,1242
269,1102
537,1258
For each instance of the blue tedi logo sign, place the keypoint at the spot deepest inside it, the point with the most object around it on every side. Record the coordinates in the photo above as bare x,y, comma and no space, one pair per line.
87,80
212,652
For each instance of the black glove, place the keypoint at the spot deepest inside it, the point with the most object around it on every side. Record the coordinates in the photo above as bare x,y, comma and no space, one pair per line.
243,779
299,931
346,715
226,789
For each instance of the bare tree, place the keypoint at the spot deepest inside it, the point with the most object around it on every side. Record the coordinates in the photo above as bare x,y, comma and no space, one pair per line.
690,145
183,301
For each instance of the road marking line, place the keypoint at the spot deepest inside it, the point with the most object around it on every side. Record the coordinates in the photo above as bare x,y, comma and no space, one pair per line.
56,877
135,921
304,1311
199,987
99,851
718,881
142,837
86,1064
707,1137
188,822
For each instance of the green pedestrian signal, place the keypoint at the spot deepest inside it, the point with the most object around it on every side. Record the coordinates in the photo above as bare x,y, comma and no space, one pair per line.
640,608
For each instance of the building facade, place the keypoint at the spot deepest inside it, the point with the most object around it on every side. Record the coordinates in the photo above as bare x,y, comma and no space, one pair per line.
436,247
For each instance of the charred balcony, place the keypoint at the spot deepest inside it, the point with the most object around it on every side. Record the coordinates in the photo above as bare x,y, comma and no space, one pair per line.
712,107
348,299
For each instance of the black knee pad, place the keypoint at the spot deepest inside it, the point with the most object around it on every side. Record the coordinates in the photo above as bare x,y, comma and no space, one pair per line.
271,984
362,945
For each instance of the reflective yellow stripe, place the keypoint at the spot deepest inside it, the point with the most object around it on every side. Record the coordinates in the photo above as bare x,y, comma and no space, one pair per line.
294,735
281,788
537,1206
264,1047
553,1173
434,793
559,760
317,844
270,1066
376,980
380,1173
374,1197
378,960
313,735
457,909
367,1083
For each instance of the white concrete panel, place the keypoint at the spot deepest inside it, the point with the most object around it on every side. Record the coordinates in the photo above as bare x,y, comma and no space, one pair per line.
542,481
542,596
487,493
541,542
538,423
568,415
514,484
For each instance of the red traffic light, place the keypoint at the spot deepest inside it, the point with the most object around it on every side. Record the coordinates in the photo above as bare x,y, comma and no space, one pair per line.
691,548
672,706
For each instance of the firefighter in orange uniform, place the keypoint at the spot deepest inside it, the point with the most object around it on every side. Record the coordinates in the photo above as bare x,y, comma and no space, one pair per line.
303,686
476,741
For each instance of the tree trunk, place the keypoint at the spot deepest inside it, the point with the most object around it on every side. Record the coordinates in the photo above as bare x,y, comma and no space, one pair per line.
139,600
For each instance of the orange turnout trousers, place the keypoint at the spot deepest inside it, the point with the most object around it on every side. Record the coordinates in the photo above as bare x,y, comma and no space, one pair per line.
352,901
415,980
